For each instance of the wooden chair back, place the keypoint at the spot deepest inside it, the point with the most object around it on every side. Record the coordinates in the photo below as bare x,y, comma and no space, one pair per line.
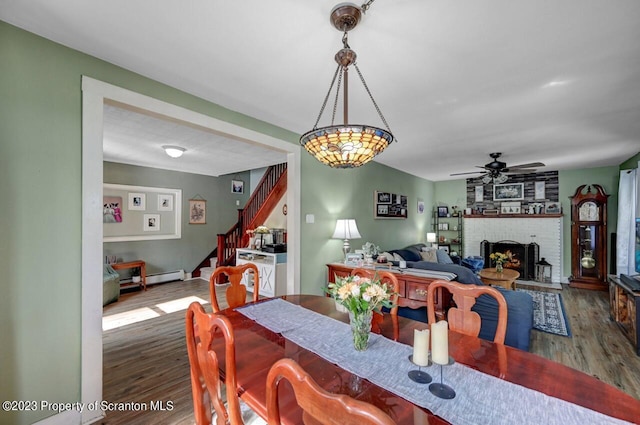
319,406
391,281
236,292
461,319
201,329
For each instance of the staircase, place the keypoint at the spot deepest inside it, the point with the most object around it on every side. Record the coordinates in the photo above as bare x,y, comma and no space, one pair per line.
262,202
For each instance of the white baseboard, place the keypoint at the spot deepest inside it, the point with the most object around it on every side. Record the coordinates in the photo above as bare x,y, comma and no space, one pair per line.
165,277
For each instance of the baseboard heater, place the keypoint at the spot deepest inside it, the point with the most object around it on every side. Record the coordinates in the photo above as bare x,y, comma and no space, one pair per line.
165,277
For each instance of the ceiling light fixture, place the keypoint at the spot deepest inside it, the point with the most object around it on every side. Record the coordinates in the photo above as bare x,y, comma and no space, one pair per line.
174,151
346,145
498,178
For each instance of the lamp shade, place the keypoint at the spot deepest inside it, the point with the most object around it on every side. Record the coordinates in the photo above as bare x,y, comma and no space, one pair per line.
346,229
431,237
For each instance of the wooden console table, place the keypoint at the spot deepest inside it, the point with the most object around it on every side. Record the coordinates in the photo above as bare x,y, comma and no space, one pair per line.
623,303
131,265
413,289
506,278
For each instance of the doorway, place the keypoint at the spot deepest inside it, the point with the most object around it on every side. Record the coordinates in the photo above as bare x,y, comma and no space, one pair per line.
93,98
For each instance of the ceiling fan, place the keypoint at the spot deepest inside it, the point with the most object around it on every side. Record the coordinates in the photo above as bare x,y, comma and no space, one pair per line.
496,171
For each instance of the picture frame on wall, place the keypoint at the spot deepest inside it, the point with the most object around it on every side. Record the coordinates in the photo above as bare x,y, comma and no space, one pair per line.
151,223
539,190
389,205
137,201
420,207
443,211
197,211
479,193
237,186
508,192
165,202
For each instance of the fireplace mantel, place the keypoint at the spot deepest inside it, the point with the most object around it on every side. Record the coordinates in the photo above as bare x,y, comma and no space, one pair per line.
513,216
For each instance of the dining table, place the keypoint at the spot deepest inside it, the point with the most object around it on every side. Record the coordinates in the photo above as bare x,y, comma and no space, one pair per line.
258,348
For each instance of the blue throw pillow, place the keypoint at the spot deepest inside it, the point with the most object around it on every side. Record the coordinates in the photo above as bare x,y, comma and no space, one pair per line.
407,254
443,257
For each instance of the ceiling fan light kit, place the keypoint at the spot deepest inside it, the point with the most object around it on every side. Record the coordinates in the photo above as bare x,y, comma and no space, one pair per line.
496,171
346,145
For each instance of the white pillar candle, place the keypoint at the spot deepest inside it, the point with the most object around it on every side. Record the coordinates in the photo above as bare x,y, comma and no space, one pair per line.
440,342
421,347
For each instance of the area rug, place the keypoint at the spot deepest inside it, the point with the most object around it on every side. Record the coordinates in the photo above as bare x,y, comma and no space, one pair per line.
548,313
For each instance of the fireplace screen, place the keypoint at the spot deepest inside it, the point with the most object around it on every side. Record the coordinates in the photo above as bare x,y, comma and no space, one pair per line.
522,257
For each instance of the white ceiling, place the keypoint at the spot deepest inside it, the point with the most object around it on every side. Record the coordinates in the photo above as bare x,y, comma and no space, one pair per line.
550,81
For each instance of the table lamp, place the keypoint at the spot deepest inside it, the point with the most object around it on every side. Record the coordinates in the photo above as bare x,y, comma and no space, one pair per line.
431,238
346,229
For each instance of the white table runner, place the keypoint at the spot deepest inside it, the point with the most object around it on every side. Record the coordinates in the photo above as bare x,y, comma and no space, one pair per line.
480,398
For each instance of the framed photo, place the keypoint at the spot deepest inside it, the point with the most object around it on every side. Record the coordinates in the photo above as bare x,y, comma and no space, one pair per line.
510,208
479,191
151,222
383,197
420,207
508,192
552,208
137,201
390,205
237,186
443,211
445,247
197,211
539,193
353,259
112,209
165,202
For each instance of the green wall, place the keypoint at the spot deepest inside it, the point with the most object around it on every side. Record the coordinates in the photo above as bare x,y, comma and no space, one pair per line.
40,248
197,241
631,162
331,194
40,171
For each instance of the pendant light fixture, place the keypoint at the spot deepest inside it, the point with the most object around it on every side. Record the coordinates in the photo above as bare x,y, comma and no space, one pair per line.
346,145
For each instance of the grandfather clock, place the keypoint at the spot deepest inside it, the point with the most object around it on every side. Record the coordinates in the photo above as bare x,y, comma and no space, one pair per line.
589,238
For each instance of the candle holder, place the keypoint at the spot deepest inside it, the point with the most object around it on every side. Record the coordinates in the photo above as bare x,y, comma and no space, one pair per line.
418,375
441,390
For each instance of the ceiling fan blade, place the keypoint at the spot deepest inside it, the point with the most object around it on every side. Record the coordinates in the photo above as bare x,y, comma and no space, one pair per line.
529,165
519,171
471,172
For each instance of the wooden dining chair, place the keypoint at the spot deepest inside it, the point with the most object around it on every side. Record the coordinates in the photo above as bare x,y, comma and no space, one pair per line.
206,385
391,280
236,293
461,319
319,406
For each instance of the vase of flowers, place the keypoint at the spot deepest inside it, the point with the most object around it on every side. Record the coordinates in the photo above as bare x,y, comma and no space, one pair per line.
499,258
361,296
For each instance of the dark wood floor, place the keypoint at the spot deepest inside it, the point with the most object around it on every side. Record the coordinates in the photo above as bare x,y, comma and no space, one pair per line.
147,361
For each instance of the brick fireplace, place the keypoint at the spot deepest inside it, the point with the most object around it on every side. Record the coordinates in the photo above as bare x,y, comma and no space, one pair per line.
544,232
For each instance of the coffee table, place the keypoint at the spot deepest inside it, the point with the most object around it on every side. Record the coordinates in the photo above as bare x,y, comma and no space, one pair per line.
506,278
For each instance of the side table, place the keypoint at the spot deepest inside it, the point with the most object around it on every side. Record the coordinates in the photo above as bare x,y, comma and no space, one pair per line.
131,265
623,303
506,278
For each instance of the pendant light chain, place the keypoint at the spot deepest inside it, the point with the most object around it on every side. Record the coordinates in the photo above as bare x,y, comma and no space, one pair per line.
366,6
335,103
364,83
326,98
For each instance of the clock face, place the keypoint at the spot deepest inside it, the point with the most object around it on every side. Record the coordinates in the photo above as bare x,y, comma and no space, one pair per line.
589,211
